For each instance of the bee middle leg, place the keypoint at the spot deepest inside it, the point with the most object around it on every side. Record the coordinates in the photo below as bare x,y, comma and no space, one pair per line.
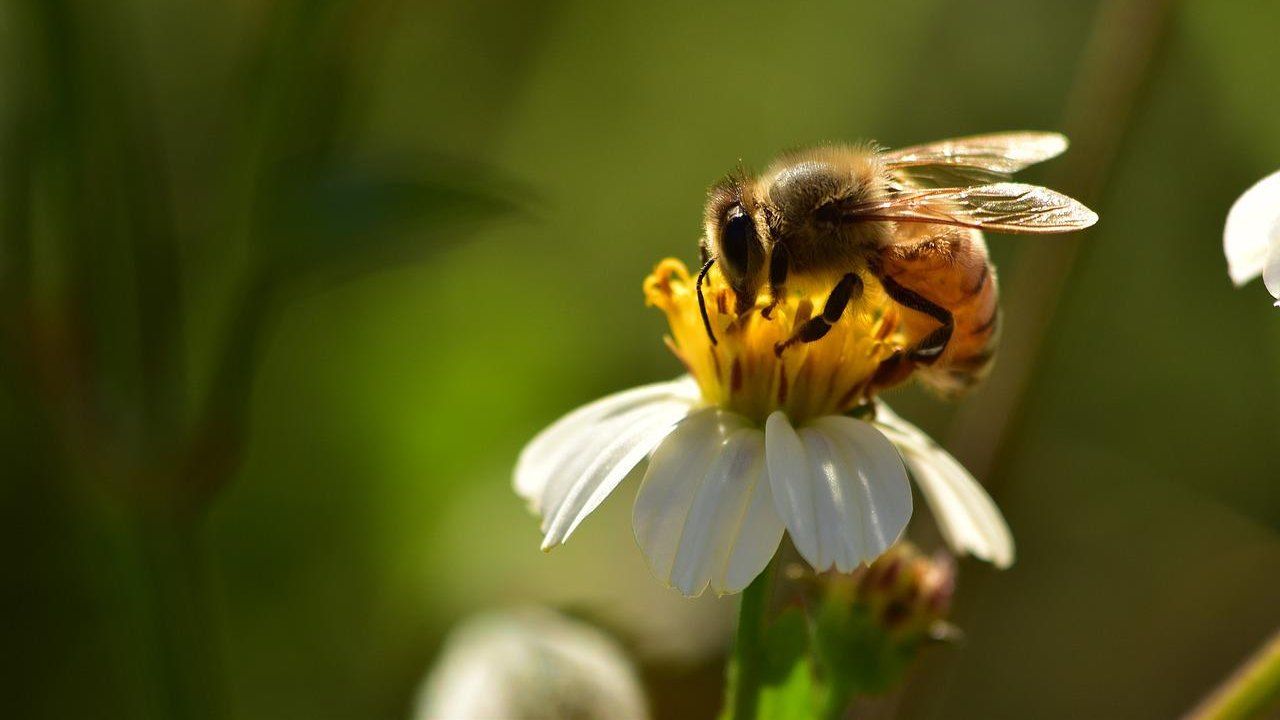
847,290
929,349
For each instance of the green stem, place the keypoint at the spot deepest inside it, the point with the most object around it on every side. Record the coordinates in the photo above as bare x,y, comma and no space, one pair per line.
840,695
185,635
746,668
1250,691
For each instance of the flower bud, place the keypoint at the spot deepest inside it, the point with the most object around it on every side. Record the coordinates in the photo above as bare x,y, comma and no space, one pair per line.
907,592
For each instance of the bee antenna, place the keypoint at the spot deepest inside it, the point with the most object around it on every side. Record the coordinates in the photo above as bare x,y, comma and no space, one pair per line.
702,301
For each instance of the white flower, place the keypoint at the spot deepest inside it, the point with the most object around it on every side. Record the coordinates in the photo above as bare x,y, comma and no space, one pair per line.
755,442
1251,239
719,490
530,664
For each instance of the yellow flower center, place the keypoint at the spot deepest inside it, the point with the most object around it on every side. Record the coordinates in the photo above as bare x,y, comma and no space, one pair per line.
745,374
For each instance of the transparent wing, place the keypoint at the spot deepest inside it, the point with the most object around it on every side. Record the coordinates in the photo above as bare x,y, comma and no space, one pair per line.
943,176
1000,153
1000,207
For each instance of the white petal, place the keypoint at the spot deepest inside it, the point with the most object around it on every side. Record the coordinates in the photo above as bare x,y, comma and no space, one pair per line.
759,533
1271,272
969,520
790,482
572,466
697,515
545,451
669,485
600,461
877,477
840,488
1253,228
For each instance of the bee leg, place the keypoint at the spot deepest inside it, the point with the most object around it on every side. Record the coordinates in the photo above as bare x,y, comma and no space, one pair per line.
928,350
848,289
777,280
892,371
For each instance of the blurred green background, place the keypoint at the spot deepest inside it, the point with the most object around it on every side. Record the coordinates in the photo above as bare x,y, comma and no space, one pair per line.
329,264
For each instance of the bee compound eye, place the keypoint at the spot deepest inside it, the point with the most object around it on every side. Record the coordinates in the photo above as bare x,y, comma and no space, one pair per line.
736,237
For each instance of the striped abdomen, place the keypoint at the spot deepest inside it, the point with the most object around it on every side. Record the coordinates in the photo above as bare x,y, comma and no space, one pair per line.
949,266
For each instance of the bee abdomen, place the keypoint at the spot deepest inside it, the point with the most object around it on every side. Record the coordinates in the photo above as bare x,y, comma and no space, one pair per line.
972,350
951,269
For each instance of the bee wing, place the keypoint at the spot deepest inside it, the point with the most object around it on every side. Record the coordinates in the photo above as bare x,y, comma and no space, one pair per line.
1001,153
974,160
944,176
1000,207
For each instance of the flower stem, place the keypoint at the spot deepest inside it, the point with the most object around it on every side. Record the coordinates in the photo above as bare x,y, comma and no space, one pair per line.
1250,691
746,666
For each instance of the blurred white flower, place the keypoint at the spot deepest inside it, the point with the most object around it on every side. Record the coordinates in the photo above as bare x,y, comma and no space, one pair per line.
1251,239
530,664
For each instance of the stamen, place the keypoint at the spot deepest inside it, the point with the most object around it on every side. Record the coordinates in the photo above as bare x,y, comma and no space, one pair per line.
742,373
782,384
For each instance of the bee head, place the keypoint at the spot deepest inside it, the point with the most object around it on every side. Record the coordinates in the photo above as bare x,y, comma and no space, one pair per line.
734,238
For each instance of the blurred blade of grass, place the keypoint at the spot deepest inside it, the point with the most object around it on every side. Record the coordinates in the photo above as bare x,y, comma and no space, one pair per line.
16,145
1252,691
104,188
92,277
293,100
315,211
332,226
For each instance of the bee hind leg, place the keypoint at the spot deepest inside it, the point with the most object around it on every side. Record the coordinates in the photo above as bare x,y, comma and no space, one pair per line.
848,289
928,350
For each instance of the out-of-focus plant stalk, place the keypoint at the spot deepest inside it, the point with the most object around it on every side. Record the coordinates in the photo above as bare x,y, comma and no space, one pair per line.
102,350
1111,82
189,655
303,68
1250,692
92,323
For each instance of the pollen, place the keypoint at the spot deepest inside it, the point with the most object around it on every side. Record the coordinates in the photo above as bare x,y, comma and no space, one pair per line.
745,373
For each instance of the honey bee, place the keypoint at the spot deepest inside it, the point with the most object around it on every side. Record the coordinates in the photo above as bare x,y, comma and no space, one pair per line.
912,219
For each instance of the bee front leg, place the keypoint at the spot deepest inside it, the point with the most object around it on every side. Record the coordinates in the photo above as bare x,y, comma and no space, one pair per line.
847,290
778,266
928,350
